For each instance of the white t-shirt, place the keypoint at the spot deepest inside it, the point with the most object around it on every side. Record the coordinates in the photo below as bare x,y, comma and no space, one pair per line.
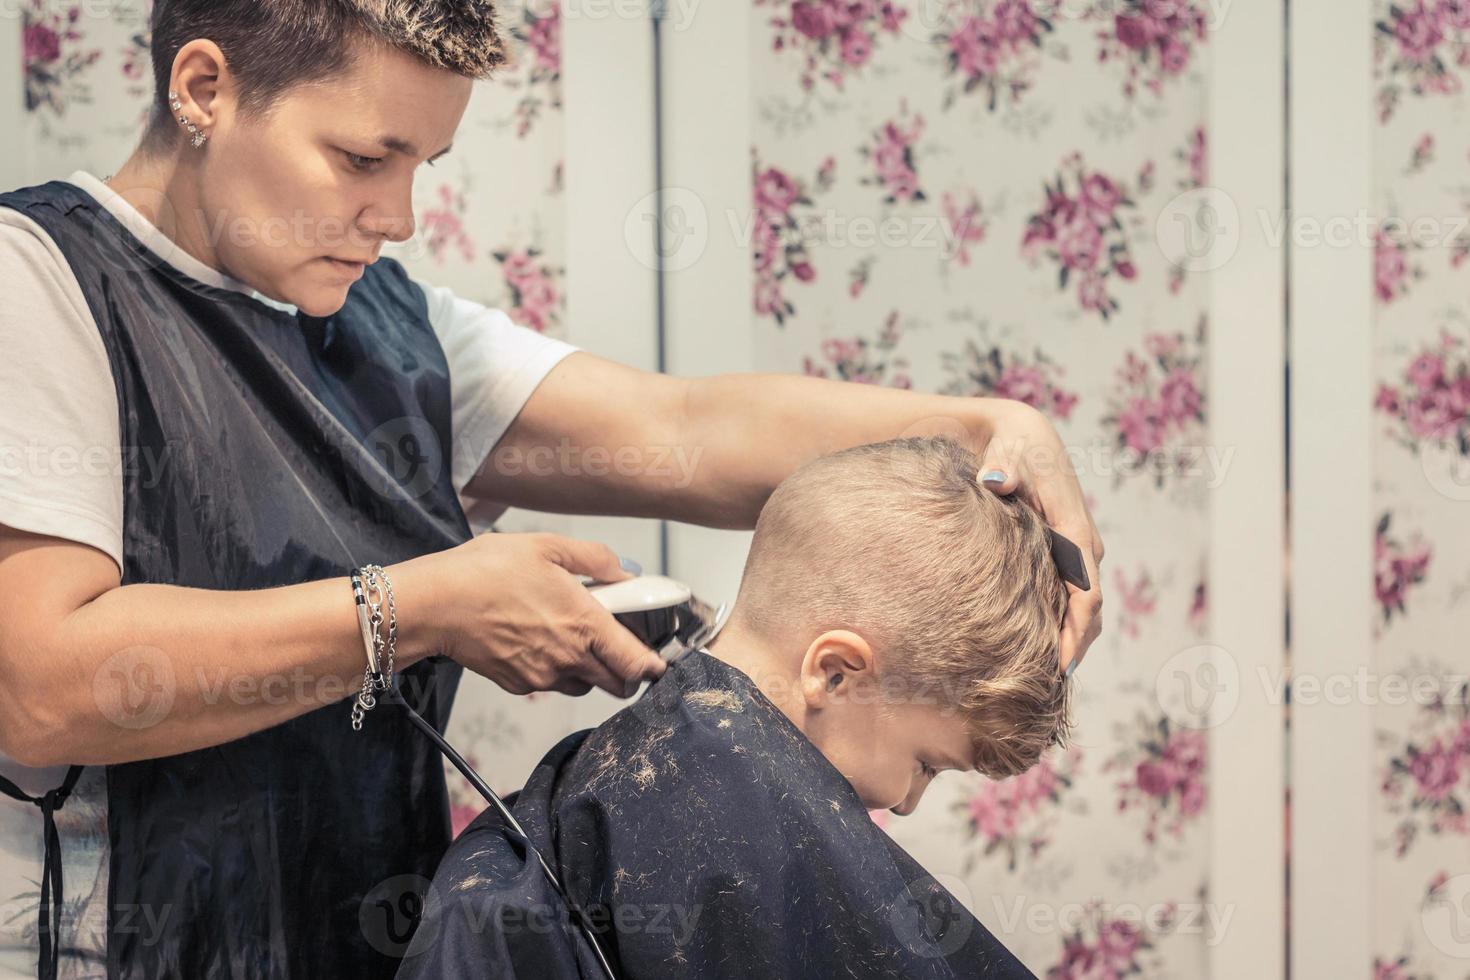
61,475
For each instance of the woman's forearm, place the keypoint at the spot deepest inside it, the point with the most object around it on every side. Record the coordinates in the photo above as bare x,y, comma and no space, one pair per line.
143,671
750,431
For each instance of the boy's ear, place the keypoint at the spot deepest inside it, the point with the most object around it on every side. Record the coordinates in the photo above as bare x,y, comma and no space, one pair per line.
836,663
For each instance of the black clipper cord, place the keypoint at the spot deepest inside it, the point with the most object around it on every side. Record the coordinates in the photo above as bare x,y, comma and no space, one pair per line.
512,825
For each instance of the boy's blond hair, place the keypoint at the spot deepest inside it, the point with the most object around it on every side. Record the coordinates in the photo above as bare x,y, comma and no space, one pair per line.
953,586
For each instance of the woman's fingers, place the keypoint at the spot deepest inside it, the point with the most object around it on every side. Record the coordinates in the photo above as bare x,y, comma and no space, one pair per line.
583,557
1083,620
621,654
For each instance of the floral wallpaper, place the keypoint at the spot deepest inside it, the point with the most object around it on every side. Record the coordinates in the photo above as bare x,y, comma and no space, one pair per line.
961,197
1421,461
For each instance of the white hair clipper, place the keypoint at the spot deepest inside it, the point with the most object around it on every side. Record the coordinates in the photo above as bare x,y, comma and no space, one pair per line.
663,613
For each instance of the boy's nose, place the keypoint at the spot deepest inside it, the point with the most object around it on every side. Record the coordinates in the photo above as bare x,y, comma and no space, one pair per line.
911,802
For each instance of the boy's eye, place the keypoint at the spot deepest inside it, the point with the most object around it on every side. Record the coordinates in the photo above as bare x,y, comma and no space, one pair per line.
928,770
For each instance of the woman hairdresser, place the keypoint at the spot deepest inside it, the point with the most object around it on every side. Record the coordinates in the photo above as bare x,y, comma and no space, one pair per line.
226,424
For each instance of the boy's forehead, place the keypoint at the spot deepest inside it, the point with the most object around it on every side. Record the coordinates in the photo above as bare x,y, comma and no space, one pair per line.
948,737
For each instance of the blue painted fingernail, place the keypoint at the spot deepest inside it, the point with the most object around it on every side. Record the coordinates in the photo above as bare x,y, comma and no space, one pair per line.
1072,666
993,476
631,566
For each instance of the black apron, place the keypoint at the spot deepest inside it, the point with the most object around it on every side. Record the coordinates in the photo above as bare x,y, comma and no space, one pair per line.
292,448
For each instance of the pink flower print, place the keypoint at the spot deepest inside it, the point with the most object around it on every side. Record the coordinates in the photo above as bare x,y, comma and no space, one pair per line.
1142,426
892,157
779,243
1174,56
1198,156
1139,599
42,45
1418,47
813,20
985,370
1180,397
1423,154
834,38
1395,970
1015,21
1427,370
1198,608
1149,776
1421,786
1166,772
767,296
855,359
1397,568
1092,292
1155,41
973,48
965,225
857,47
444,226
1161,346
50,60
1434,403
1118,944
1116,952
1133,32
1022,382
775,192
1418,32
1014,816
1080,242
1436,771
1391,267
1100,196
1077,232
544,39
535,298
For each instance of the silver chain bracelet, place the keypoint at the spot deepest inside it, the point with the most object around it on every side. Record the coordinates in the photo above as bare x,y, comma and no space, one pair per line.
370,590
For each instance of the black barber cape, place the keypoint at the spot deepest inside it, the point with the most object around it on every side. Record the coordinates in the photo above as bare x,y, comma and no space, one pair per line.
285,448
706,837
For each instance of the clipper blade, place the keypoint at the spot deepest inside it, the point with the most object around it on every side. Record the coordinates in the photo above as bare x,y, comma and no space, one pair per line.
699,622
663,613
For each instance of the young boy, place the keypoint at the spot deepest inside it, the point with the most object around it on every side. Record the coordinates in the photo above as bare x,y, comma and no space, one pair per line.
895,619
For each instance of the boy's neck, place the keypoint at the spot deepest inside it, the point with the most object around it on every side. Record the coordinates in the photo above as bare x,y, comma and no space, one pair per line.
774,673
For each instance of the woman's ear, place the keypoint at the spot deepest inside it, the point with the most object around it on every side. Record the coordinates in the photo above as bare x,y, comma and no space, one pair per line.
200,73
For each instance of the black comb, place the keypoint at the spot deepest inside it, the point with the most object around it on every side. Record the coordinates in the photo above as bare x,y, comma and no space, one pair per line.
1069,559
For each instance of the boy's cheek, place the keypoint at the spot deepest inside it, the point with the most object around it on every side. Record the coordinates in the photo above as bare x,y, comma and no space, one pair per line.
881,791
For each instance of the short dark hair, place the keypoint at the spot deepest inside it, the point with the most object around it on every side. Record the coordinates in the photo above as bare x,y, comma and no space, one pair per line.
273,45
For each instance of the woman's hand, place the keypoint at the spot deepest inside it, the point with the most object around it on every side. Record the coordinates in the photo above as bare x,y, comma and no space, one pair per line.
516,613
1023,444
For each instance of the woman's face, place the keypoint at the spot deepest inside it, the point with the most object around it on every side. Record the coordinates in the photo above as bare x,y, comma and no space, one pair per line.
326,176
